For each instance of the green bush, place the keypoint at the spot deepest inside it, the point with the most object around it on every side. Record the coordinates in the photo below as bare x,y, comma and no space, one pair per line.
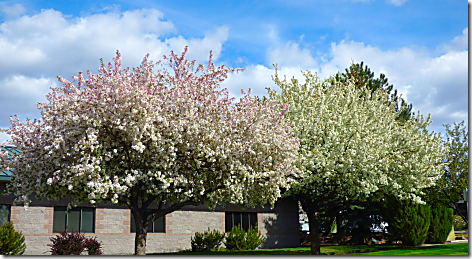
254,239
441,224
238,239
235,239
11,242
208,241
407,221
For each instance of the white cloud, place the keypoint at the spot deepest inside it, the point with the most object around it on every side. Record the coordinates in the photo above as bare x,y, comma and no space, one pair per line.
37,48
393,2
433,84
256,77
199,49
4,137
20,94
14,10
36,44
291,55
459,43
436,85
397,2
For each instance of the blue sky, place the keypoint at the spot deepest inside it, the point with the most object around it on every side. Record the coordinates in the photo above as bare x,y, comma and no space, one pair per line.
421,46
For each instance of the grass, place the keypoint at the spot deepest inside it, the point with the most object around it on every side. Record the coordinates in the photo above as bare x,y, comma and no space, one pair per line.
448,249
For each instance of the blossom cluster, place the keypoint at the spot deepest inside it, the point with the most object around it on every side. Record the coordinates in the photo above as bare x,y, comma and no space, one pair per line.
352,145
162,129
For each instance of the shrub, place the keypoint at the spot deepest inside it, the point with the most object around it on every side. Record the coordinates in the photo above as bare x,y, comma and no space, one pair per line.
197,242
11,242
238,239
407,221
254,239
208,241
441,224
93,246
235,239
74,244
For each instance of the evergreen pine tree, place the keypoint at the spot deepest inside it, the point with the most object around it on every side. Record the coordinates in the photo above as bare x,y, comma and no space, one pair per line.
408,222
441,224
12,242
361,75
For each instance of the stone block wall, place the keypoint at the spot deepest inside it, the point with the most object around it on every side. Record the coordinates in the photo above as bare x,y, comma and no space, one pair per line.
35,223
112,221
32,220
112,228
189,222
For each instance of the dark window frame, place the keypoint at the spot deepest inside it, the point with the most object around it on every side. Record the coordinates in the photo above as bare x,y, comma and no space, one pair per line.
245,219
153,227
62,209
9,213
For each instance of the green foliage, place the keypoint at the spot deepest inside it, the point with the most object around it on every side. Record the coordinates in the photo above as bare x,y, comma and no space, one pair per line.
459,223
74,244
207,241
407,221
356,221
254,239
441,224
11,242
450,188
238,239
234,240
361,75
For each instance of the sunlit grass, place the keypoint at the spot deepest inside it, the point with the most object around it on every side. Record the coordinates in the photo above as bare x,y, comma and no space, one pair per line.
327,250
447,249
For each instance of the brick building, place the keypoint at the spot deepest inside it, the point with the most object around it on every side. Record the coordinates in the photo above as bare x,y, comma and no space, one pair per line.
114,227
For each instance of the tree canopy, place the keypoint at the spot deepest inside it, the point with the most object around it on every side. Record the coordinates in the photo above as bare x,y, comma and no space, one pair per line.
163,133
353,147
450,187
361,75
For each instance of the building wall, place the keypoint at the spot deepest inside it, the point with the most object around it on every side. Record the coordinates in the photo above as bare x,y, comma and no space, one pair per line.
35,223
280,226
112,228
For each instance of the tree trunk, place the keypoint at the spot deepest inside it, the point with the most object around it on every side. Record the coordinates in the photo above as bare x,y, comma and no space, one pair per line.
141,234
315,241
140,243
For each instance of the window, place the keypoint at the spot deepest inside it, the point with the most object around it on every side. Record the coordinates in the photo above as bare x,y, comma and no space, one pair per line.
158,226
245,219
78,218
5,211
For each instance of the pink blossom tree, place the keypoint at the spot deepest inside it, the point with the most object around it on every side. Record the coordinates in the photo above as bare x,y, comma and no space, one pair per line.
149,136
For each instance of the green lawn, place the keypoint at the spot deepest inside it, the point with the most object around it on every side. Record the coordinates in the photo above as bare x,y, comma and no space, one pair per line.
448,249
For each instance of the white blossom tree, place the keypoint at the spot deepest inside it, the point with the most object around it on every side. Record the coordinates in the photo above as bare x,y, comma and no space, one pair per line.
147,135
353,148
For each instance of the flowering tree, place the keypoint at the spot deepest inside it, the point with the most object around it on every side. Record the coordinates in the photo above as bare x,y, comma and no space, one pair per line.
353,148
450,188
141,136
